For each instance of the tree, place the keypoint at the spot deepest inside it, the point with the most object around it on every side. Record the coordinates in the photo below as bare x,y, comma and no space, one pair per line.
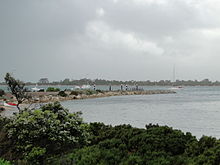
17,89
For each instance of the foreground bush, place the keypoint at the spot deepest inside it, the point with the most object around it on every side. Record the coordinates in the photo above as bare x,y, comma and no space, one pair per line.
49,130
155,145
53,136
4,162
127,145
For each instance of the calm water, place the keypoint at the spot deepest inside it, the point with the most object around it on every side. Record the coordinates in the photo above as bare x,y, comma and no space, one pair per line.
191,109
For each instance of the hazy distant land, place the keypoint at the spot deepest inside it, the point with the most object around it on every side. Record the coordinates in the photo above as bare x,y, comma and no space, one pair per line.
67,81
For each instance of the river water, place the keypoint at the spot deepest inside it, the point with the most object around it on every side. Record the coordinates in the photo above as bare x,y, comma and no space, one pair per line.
191,109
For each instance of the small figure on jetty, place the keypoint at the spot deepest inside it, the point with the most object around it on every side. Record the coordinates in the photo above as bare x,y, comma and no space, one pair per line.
136,87
121,87
94,87
126,87
110,87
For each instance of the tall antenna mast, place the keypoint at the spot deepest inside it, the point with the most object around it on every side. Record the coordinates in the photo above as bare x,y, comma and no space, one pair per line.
174,73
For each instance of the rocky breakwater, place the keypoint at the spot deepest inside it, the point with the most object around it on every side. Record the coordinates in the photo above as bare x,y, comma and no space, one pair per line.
44,97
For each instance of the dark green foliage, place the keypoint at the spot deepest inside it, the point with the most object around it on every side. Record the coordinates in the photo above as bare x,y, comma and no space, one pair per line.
125,145
53,136
58,109
6,146
52,89
50,130
204,151
4,162
2,92
99,91
76,93
3,122
62,94
86,92
36,155
90,92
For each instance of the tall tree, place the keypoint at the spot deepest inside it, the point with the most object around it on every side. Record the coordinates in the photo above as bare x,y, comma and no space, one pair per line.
17,88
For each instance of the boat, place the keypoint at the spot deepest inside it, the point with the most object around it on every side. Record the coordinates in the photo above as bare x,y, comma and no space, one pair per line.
9,104
36,89
77,87
175,87
85,87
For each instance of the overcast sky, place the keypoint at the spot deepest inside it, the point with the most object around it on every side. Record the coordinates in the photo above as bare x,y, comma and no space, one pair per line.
110,39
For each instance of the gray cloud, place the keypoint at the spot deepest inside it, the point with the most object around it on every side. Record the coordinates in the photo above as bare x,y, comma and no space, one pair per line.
113,39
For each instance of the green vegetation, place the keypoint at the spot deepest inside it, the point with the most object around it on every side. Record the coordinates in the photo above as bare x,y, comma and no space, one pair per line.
32,136
52,89
125,145
4,162
52,135
2,92
76,92
62,93
86,92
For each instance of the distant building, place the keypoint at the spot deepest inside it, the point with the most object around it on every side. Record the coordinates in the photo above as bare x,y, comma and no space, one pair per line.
43,81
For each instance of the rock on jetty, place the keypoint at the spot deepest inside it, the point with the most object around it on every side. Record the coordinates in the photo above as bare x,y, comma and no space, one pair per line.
44,97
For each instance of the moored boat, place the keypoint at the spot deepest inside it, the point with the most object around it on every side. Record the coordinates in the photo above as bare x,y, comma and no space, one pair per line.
9,104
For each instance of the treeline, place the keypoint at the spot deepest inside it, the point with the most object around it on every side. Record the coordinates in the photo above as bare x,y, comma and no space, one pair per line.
205,82
52,135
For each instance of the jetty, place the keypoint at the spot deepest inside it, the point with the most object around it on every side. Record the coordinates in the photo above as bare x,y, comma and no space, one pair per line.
44,97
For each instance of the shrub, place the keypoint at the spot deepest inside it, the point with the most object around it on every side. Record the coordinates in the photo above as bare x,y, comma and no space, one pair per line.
99,91
52,128
127,145
6,146
52,89
90,92
62,94
36,155
86,92
76,93
4,162
3,122
2,92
